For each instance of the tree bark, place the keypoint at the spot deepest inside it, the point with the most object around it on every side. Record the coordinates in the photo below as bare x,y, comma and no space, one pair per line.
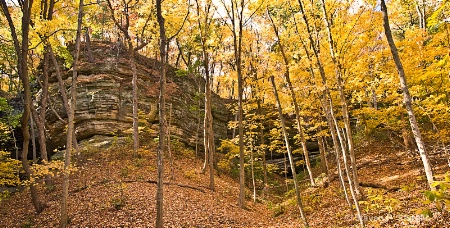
40,118
291,160
262,144
33,137
162,114
135,99
407,98
172,172
323,156
347,170
237,47
71,115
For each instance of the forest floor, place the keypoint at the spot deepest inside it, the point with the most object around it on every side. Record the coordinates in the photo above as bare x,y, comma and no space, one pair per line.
110,188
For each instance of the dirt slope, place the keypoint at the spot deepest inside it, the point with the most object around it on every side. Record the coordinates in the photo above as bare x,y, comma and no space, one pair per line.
112,189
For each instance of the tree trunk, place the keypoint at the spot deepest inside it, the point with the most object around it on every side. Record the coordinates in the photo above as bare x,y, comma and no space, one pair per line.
237,47
21,51
374,99
88,46
407,98
296,108
336,147
262,144
291,161
135,99
323,156
253,174
340,84
162,124
347,170
326,97
40,119
172,173
33,138
420,8
71,114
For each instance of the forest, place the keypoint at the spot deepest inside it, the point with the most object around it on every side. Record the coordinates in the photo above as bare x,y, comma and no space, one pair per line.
224,113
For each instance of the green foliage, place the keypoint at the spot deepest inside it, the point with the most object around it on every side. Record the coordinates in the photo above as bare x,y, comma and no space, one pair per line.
440,197
378,202
191,174
181,73
119,200
9,169
224,165
7,122
230,164
64,53
277,209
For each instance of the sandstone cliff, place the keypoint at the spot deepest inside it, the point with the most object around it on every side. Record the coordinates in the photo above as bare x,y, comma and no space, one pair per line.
104,99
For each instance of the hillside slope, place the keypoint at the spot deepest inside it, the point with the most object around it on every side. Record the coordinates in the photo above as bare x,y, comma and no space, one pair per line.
112,189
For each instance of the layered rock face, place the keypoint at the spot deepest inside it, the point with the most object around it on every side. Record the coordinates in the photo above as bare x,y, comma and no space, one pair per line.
104,99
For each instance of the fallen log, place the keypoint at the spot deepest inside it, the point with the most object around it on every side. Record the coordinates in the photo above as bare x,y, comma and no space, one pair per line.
166,183
134,181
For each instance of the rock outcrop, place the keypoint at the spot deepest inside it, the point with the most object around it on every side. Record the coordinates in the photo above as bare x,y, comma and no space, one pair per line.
104,99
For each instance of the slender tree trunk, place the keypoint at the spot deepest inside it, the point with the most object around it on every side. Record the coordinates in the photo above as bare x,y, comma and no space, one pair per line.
336,147
262,144
88,45
21,50
211,151
162,124
294,100
374,99
40,119
71,114
326,96
33,138
233,135
237,47
291,160
253,174
205,135
407,98
340,84
172,173
323,157
135,98
347,170
420,8
198,123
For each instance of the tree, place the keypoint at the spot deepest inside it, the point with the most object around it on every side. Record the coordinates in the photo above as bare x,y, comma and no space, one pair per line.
340,84
407,97
162,115
291,160
71,115
21,50
204,26
124,28
294,100
236,15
